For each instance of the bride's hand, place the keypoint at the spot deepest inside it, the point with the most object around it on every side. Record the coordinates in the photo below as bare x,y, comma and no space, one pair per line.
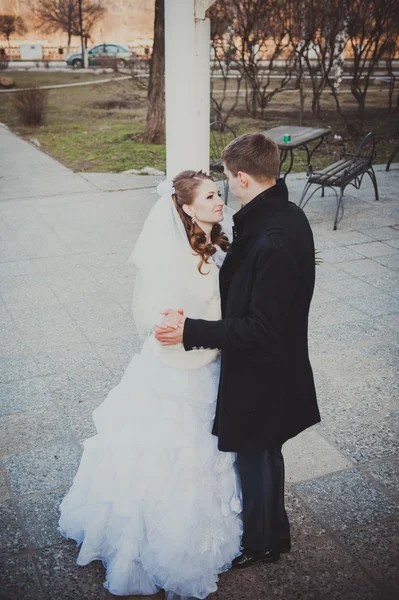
172,319
170,322
170,332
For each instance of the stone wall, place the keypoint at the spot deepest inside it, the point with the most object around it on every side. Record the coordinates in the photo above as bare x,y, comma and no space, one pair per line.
126,22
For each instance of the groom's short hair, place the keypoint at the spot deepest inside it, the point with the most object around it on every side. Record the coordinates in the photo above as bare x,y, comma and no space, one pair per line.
253,153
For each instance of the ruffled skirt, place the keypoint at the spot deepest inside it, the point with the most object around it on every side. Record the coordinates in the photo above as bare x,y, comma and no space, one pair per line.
153,498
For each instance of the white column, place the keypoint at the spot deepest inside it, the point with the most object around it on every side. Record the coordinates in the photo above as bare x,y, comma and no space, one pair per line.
187,85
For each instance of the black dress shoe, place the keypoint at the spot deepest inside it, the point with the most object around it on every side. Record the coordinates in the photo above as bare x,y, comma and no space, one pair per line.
285,546
247,559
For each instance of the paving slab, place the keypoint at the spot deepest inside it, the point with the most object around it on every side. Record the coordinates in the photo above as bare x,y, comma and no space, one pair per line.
335,338
391,261
304,524
12,343
346,499
309,455
347,289
17,366
76,387
40,516
4,491
386,472
23,395
387,282
75,285
17,267
80,417
67,360
374,249
116,353
340,254
45,327
26,290
42,470
376,548
11,536
36,428
242,585
363,440
363,266
393,419
335,312
19,581
62,578
382,234
318,569
390,321
27,181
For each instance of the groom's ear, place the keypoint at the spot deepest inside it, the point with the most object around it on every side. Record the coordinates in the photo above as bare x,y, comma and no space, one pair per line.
243,177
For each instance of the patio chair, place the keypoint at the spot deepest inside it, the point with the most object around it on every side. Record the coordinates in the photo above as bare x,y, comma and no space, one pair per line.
349,170
391,157
221,135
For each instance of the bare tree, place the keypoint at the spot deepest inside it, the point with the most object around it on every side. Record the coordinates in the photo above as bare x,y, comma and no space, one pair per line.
55,15
11,25
326,48
260,43
155,127
315,30
391,54
92,12
225,77
370,29
300,33
63,15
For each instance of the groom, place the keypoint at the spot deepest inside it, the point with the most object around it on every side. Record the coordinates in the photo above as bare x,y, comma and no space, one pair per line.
266,391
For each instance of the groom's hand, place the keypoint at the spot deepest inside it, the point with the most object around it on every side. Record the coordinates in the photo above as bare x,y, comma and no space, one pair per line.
170,332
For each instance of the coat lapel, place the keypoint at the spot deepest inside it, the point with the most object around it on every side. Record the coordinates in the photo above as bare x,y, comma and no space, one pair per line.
234,257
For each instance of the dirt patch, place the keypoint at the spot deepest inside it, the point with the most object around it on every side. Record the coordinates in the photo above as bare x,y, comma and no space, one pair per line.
112,104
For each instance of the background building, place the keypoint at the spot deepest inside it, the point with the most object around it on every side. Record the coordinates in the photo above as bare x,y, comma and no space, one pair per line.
126,22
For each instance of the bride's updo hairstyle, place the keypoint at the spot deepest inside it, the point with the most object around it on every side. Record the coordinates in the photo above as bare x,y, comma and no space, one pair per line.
186,184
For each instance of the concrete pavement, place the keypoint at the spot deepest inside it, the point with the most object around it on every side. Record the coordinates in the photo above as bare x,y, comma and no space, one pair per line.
67,335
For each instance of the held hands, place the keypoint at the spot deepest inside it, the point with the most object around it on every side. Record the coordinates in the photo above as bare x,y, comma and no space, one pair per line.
170,331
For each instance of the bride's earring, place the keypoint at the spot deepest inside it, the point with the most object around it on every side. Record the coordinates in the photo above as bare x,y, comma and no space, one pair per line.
193,220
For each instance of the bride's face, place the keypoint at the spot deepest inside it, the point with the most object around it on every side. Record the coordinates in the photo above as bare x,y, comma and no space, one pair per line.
208,204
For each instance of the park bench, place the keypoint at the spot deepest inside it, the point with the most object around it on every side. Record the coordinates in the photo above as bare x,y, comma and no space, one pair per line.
349,170
391,157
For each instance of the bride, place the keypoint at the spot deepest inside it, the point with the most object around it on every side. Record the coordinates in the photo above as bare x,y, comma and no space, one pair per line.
153,498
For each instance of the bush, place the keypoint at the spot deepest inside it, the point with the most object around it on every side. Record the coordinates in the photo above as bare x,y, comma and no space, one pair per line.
112,104
4,60
31,105
109,62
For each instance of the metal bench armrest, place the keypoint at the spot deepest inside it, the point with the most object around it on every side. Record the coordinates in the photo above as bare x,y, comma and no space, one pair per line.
311,173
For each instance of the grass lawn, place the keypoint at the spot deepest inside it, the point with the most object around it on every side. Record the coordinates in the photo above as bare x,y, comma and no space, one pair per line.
99,128
48,77
90,128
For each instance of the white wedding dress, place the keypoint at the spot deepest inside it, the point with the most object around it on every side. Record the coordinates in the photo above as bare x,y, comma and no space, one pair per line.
153,498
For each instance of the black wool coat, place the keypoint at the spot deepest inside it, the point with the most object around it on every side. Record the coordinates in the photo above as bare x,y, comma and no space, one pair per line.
266,390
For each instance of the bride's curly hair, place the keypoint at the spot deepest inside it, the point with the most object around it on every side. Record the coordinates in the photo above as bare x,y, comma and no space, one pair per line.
186,184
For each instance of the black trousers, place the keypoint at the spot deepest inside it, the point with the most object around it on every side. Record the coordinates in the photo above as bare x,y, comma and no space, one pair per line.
264,516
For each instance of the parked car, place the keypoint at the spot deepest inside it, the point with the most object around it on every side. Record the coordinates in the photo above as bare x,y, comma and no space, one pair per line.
99,56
